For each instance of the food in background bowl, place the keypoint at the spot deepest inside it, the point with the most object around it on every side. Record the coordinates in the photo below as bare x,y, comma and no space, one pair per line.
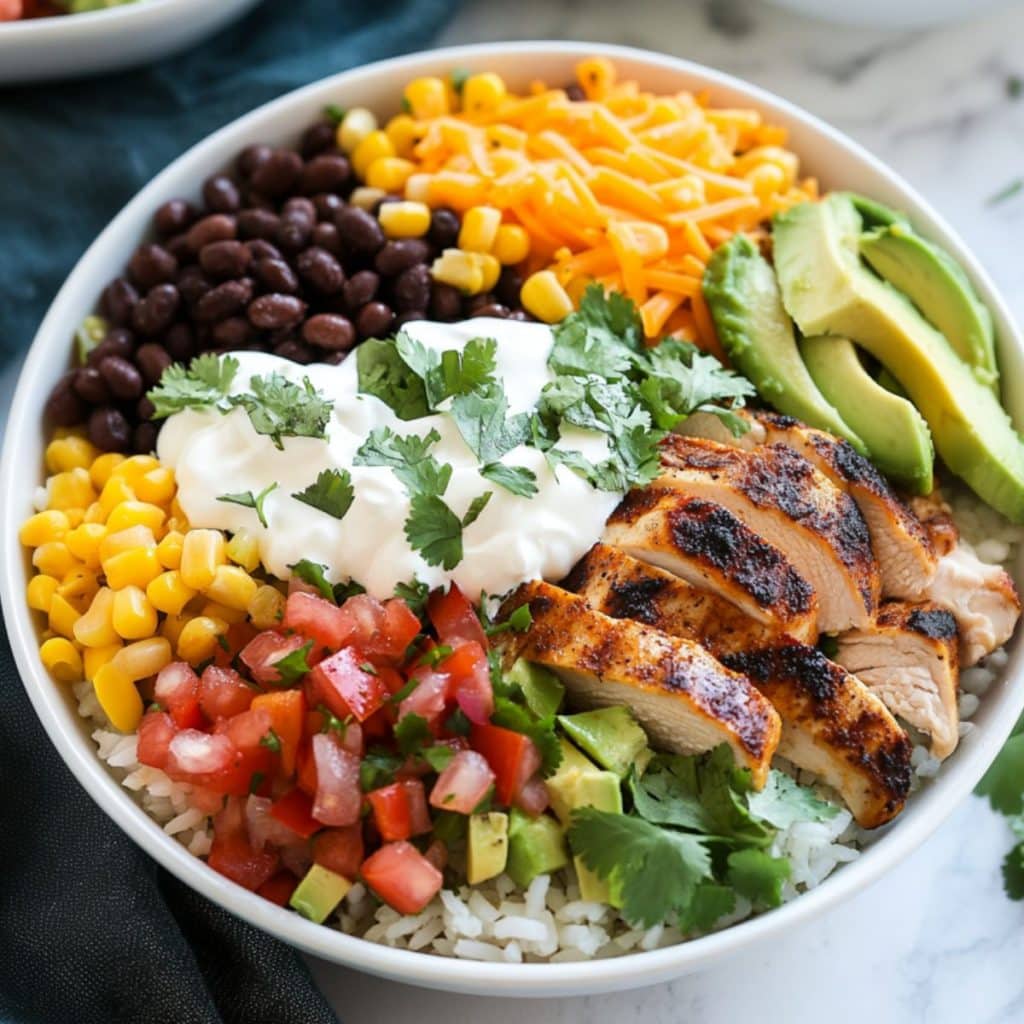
12,10
584,767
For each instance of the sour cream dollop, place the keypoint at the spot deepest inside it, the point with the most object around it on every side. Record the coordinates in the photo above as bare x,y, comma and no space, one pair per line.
514,539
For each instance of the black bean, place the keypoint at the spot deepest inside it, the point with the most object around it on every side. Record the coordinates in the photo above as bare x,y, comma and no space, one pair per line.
374,320
277,175
408,317
475,302
118,300
233,332
510,284
252,157
330,331
328,173
325,236
144,438
299,208
222,260
318,268
261,249
119,341
221,194
276,276
144,408
334,358
400,254
360,289
444,228
359,231
293,235
575,93
327,206
445,302
294,350
495,309
151,265
412,288
109,430
122,377
214,228
224,300
155,312
255,223
270,312
193,284
174,217
64,408
316,138
90,386
180,342
178,247
152,359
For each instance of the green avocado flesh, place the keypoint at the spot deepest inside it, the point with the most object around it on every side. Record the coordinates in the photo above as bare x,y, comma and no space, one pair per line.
828,290
755,331
610,736
542,689
319,892
874,214
897,437
488,846
936,284
536,846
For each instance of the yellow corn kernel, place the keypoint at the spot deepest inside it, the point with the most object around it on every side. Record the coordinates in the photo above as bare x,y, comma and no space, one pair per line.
177,512
157,486
417,188
481,94
43,527
168,594
132,568
115,490
354,127
118,697
66,453
404,133
62,660
389,173
96,627
72,489
213,610
126,540
232,586
63,616
404,220
596,76
54,559
39,592
144,657
84,543
172,626
102,467
490,269
266,609
460,270
202,551
197,640
427,97
545,298
168,551
135,513
94,658
79,586
479,228
136,466
373,147
95,513
76,516
366,198
134,616
244,549
511,245
69,431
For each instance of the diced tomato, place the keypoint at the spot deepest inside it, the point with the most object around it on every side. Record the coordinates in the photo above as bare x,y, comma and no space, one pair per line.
263,828
402,877
513,757
295,811
177,689
340,849
223,693
287,710
346,687
429,697
237,636
156,730
379,725
454,618
279,888
463,784
419,813
264,651
470,681
248,729
533,797
392,679
400,810
297,585
397,630
234,858
339,798
317,619
192,753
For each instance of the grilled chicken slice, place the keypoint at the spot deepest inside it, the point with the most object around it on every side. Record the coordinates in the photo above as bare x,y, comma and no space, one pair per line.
782,497
706,545
834,726
621,587
909,659
935,515
685,699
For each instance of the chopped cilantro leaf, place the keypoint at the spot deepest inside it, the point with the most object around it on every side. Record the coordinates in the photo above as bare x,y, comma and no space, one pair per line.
384,374
519,480
459,77
332,493
783,801
476,506
343,591
435,655
314,574
205,383
222,642
520,620
1003,783
369,668
255,782
1013,872
293,666
710,902
438,757
271,741
331,722
378,768
279,408
334,113
410,685
248,500
414,594
412,733
666,795
450,827
483,420
758,876
435,531
457,723
408,458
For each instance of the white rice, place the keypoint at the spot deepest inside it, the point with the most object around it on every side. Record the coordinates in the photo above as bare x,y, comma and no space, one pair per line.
494,922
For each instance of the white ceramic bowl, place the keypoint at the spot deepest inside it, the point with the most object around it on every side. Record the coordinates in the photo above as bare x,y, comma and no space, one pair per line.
839,163
67,46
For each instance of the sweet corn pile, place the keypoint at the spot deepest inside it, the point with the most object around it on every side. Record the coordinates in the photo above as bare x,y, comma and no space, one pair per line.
125,584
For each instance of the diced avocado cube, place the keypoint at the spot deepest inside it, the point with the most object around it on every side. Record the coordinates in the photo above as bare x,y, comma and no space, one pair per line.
488,846
319,892
541,687
561,786
610,735
536,846
601,790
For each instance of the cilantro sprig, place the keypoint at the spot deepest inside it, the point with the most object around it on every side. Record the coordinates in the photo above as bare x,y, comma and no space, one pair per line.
1003,784
332,493
249,500
206,382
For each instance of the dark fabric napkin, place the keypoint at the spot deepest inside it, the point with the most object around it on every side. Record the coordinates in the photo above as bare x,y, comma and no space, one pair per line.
91,930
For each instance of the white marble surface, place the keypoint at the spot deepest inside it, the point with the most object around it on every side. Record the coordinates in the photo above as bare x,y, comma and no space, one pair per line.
936,940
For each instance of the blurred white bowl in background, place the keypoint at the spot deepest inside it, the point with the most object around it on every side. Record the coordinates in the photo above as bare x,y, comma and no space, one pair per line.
891,14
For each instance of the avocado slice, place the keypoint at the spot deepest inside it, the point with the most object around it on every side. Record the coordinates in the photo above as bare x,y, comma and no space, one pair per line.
610,736
536,846
319,892
542,689
938,286
899,442
890,383
601,790
561,786
874,214
827,290
755,331
488,846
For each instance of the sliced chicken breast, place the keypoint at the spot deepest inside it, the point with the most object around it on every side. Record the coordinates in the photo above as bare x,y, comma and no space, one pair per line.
910,660
935,515
685,699
834,726
781,496
706,545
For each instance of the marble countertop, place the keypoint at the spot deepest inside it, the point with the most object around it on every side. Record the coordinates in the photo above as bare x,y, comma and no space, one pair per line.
936,940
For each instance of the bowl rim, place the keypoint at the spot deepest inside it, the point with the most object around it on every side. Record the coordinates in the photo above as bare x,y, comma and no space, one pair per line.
931,806
88,23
